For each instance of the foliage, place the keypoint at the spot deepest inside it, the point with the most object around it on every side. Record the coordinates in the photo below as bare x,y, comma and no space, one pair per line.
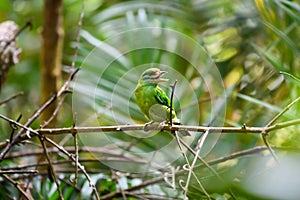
247,42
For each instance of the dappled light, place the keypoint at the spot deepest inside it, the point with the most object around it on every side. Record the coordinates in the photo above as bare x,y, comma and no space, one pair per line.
149,99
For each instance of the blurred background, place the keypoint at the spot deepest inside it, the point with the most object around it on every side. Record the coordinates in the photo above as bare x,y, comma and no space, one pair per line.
248,42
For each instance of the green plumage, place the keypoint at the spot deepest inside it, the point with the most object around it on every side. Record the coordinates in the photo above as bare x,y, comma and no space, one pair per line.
152,100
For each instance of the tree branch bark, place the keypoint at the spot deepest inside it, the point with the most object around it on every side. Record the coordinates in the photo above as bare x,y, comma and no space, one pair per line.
52,35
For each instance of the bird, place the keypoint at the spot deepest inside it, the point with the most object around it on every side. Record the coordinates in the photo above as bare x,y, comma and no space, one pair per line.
153,101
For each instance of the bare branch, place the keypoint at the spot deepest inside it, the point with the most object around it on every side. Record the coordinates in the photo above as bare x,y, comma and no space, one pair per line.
11,98
78,34
52,172
63,90
16,184
30,171
171,102
160,179
121,128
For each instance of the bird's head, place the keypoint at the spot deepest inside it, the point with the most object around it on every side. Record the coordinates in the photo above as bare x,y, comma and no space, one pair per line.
153,76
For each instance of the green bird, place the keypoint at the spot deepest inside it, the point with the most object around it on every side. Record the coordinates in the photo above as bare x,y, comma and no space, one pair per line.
152,100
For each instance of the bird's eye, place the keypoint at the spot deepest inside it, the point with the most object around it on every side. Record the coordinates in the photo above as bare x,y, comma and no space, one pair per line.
156,73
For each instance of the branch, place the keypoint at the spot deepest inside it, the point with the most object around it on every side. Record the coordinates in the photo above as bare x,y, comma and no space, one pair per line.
30,171
171,102
8,146
29,130
57,131
27,24
17,185
156,180
52,173
81,167
283,111
212,130
78,34
11,98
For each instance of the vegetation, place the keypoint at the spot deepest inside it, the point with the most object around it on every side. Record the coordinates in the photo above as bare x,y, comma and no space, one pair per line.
233,66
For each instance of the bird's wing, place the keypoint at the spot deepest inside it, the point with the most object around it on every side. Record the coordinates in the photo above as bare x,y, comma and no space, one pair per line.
162,97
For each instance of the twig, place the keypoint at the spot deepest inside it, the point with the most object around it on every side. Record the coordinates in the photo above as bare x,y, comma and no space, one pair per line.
54,114
156,180
290,75
63,89
27,24
20,168
264,137
75,135
191,168
11,171
237,155
283,111
133,188
58,147
171,102
185,188
116,175
79,25
99,150
121,128
23,169
14,128
11,98
175,133
16,184
264,133
51,168
79,165
206,164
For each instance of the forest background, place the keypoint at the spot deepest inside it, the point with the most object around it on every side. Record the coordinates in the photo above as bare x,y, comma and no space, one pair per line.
236,63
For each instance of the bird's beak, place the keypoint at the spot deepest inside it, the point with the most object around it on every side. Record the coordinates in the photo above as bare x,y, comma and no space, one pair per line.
161,74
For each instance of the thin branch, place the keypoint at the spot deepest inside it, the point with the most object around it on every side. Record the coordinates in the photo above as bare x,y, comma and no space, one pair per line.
16,184
63,89
81,167
238,154
121,128
133,188
58,147
14,128
160,179
30,171
206,164
51,168
290,75
179,143
264,134
171,102
116,175
55,112
283,111
264,137
23,169
106,152
244,129
191,168
11,98
79,25
27,24
76,157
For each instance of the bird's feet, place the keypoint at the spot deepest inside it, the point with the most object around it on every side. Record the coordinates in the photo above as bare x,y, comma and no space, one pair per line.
146,127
